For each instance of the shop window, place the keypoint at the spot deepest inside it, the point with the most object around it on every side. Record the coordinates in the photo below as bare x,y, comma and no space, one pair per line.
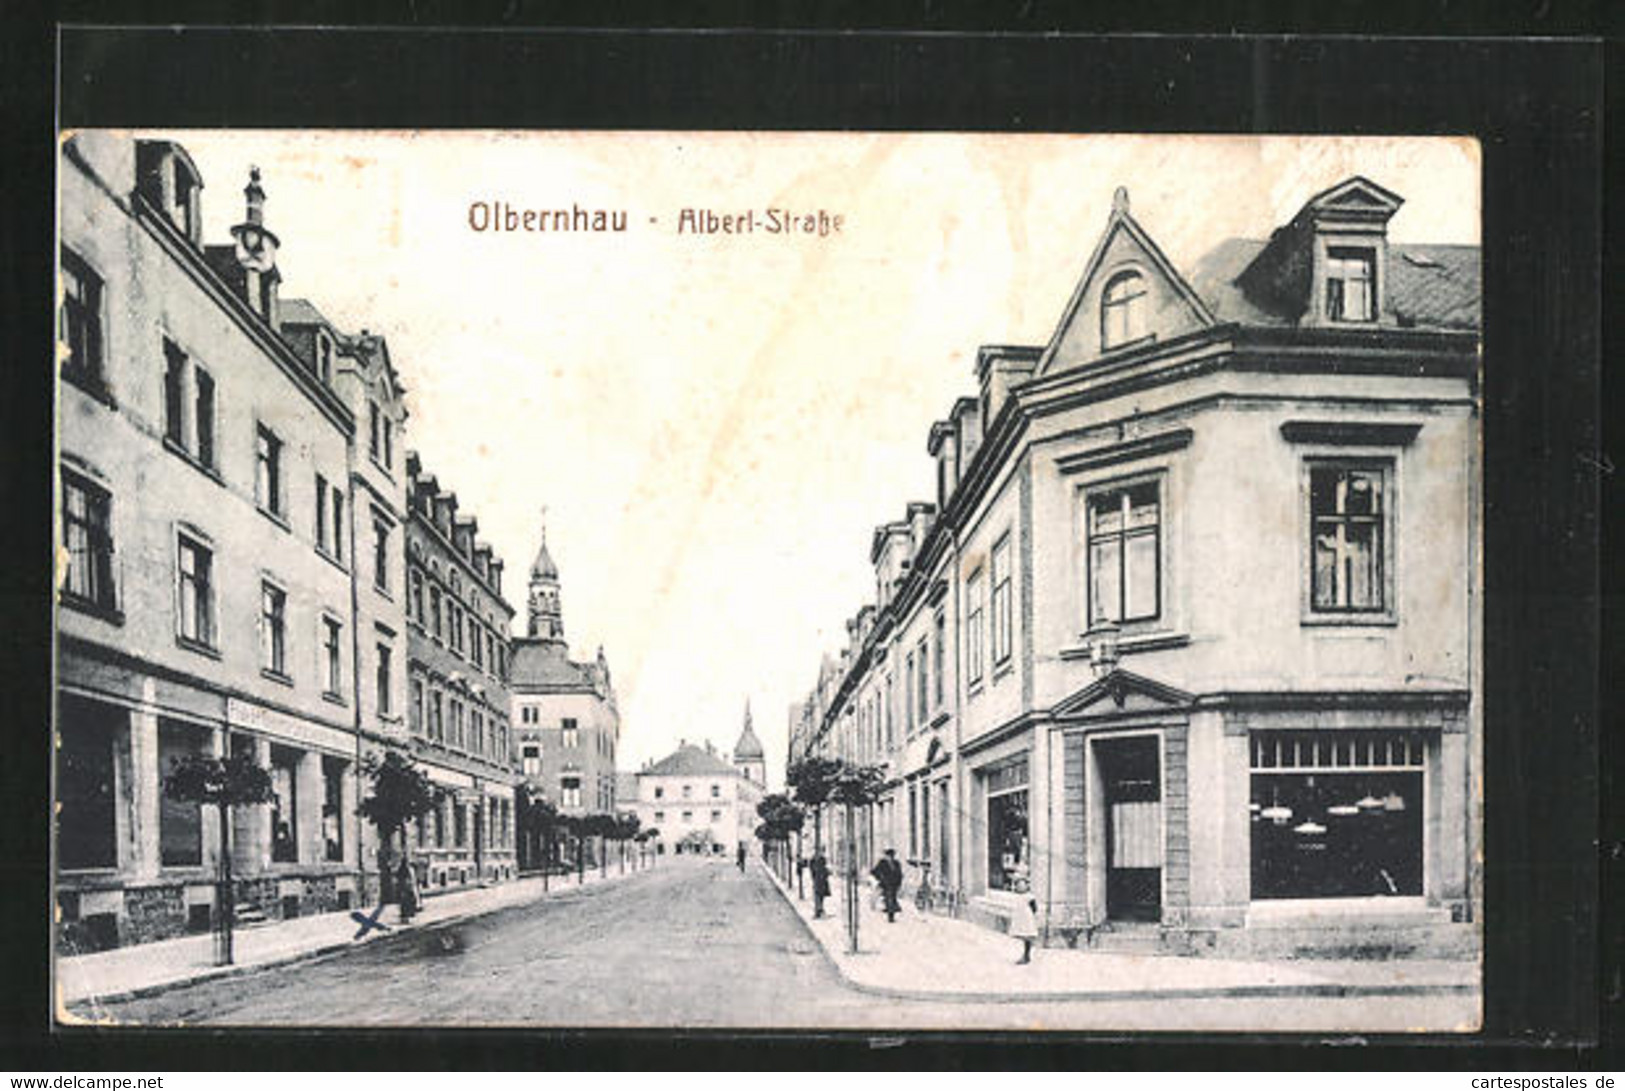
1122,310
79,323
1347,514
1336,814
459,818
87,536
180,822
285,805
1124,546
86,785
333,808
1351,284
1008,849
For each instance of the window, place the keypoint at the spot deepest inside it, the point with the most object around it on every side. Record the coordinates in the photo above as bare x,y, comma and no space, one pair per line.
457,738
688,791
572,735
414,603
437,718
273,629
660,793
434,611
1351,292
476,643
180,823
973,628
389,444
284,805
374,431
1124,577
440,826
660,816
1346,538
88,539
531,758
459,817
417,706
908,693
1007,844
716,816
939,654
1002,607
332,656
338,524
456,628
688,816
195,563
268,471
324,358
385,674
321,514
1336,813
380,552
203,415
79,322
1122,310
923,692
716,791
891,732
570,791
174,394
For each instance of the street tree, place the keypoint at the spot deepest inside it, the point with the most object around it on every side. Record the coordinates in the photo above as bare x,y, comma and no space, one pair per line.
539,822
781,817
224,784
854,786
811,780
401,793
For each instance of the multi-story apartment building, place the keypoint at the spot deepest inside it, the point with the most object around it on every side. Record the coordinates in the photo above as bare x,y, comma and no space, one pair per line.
1190,642
205,604
564,712
458,666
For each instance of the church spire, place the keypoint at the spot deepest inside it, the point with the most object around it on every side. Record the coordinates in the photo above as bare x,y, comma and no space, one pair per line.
749,757
546,619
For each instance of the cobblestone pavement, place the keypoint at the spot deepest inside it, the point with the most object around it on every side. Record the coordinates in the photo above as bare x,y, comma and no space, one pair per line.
687,944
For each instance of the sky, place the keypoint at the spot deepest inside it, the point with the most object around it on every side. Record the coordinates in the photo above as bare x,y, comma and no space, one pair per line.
714,424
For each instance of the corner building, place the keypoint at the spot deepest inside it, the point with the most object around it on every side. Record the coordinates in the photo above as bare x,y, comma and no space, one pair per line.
204,602
1190,641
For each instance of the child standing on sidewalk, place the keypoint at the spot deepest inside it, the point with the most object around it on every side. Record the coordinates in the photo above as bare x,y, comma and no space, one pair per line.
1024,922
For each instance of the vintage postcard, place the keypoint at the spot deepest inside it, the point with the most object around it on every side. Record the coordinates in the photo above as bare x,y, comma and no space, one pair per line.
744,579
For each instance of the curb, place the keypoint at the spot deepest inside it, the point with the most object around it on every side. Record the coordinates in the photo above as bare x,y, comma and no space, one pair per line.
218,973
1331,990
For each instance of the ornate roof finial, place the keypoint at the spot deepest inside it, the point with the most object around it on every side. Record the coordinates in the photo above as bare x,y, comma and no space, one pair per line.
1120,200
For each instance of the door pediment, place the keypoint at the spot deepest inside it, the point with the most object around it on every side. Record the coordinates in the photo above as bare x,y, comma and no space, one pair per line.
1122,693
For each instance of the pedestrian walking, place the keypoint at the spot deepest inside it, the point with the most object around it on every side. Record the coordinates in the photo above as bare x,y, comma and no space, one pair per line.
819,867
1024,922
741,857
889,874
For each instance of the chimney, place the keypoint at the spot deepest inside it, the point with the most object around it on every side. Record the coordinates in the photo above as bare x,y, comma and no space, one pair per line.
256,252
1000,368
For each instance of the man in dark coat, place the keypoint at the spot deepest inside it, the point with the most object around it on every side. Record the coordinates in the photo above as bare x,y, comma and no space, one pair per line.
819,867
889,874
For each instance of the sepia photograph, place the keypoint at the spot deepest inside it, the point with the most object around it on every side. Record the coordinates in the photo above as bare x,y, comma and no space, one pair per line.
776,580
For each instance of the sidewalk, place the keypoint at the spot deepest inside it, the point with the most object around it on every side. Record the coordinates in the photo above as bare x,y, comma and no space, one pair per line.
147,968
928,957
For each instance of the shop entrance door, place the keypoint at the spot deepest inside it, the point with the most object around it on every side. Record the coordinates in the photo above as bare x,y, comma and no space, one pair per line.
1131,776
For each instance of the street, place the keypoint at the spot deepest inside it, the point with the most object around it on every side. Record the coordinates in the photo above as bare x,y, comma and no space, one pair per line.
686,944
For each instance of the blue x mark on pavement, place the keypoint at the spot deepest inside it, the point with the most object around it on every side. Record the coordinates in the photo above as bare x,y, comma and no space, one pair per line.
369,923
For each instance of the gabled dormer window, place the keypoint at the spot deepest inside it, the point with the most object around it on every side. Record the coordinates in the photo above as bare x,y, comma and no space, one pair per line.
1351,284
1122,310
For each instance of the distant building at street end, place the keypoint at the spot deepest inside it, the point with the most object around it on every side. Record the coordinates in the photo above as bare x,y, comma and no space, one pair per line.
567,724
700,801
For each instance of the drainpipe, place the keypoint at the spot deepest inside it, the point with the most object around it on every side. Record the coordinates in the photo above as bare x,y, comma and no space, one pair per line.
355,692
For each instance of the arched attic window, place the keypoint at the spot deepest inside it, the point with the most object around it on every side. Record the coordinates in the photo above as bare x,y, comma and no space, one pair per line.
1122,310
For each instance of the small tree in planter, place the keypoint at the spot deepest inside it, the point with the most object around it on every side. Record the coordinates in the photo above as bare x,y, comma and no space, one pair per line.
401,792
855,786
221,783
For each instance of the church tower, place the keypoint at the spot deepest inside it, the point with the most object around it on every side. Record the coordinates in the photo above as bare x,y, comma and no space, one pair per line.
749,757
546,616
